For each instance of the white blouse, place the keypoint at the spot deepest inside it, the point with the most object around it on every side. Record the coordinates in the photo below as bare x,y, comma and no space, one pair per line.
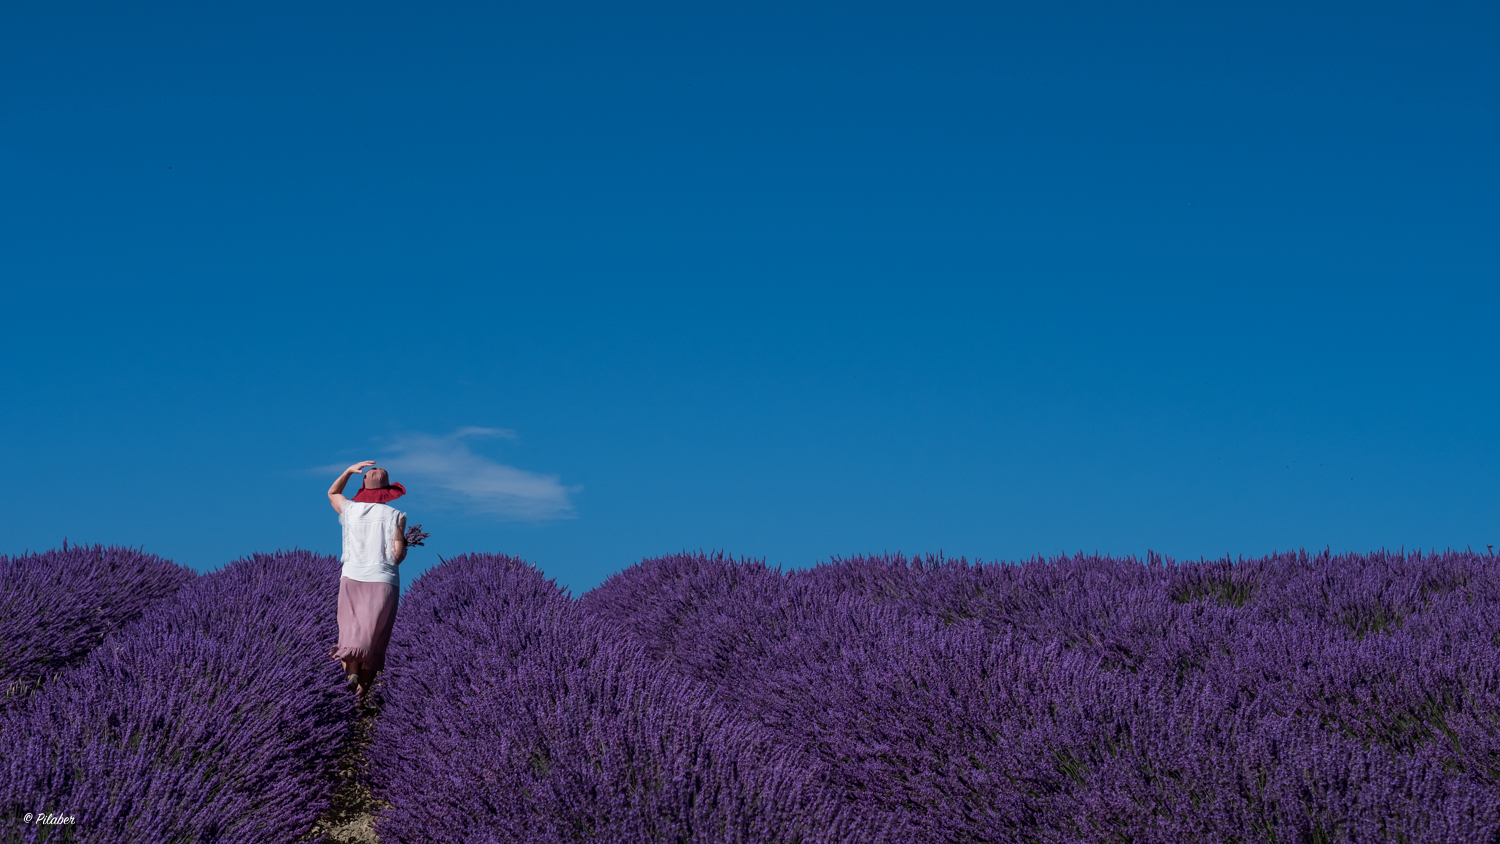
369,531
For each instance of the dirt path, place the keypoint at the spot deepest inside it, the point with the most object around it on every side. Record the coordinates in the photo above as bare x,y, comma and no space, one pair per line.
351,818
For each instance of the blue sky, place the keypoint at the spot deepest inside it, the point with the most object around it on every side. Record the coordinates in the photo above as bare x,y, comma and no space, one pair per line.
606,281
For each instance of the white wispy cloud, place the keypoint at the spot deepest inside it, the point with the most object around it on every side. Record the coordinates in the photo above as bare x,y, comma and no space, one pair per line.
447,466
471,431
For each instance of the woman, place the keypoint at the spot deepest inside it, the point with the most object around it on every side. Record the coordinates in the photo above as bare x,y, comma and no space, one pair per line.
374,546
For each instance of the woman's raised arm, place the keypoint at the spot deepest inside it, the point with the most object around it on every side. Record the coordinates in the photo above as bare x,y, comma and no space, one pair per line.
336,492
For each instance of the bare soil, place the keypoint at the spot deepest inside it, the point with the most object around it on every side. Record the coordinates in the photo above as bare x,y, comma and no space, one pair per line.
351,818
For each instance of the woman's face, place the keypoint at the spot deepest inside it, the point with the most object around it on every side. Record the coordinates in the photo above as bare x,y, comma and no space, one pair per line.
376,478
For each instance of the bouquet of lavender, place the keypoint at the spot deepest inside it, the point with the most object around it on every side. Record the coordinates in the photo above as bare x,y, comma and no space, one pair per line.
415,535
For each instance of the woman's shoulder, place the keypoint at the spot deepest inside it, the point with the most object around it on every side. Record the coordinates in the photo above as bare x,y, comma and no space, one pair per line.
365,510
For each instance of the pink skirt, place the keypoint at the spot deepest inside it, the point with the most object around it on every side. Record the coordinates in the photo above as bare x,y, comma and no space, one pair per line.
367,611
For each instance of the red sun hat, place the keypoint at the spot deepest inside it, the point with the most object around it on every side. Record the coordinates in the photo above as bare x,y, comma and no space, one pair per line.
378,488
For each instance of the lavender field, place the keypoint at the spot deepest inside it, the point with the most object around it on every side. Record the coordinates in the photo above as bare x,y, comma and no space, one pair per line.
694,698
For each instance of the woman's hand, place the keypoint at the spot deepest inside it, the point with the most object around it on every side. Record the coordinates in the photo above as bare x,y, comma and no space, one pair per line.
336,492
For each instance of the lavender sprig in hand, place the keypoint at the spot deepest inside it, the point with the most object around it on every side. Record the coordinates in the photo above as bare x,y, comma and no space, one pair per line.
415,535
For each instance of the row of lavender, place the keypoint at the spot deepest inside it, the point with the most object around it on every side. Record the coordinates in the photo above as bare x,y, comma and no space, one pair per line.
214,716
693,698
511,716
57,606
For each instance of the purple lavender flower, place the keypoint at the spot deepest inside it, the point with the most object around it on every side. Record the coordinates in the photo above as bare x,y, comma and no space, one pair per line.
415,535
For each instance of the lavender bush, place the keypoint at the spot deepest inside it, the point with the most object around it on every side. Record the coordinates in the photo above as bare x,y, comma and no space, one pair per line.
57,606
1291,698
512,717
216,718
